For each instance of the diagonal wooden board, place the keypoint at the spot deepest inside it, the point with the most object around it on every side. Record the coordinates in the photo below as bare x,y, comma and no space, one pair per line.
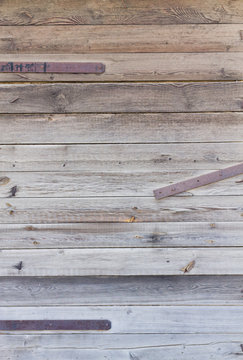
198,181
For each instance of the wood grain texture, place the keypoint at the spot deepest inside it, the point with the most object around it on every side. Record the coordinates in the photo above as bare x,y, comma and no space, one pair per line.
121,262
171,352
143,319
85,184
138,67
121,128
121,346
116,12
145,290
121,97
75,235
120,209
118,38
124,158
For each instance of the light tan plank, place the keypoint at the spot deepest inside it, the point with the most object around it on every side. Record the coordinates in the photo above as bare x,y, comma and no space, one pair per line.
122,262
120,157
115,12
138,67
143,319
121,209
164,234
149,290
85,184
121,97
121,128
119,38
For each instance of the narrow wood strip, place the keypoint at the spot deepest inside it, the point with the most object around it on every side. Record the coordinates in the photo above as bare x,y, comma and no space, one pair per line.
115,12
138,67
122,262
141,158
118,38
150,290
123,183
198,181
51,67
121,128
54,325
120,209
137,235
144,319
121,97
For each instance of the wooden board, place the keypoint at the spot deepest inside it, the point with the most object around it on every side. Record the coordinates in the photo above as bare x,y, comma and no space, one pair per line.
121,128
119,235
121,97
85,184
120,209
118,38
122,262
143,319
121,346
114,12
141,158
128,290
138,67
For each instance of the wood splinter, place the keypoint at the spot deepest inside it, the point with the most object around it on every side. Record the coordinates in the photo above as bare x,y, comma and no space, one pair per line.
188,267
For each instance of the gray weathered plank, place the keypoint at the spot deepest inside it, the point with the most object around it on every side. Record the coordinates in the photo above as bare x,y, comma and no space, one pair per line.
120,209
121,128
121,347
138,67
144,290
122,262
120,157
163,234
85,184
121,97
116,12
119,38
143,319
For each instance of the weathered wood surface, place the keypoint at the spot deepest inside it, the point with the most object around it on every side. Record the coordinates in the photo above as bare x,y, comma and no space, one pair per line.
122,262
115,12
121,346
143,319
117,157
121,97
85,184
200,351
121,39
145,290
138,67
120,209
163,234
121,128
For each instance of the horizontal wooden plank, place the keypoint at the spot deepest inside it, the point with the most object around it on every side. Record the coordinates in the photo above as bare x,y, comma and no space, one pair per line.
115,12
145,290
138,67
121,128
121,209
80,235
120,157
118,38
121,346
85,184
143,319
111,341
122,262
121,97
